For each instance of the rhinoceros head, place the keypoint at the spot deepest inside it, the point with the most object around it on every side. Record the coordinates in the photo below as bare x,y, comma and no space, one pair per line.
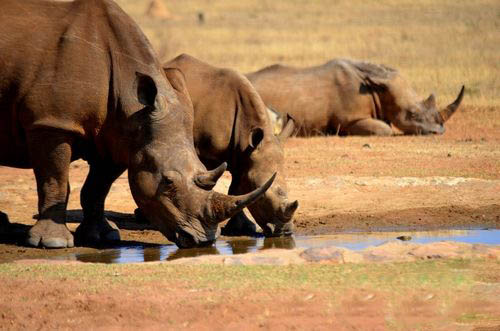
273,212
423,117
402,107
167,180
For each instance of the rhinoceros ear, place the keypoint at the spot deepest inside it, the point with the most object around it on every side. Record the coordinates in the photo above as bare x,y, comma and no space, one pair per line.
176,78
288,129
146,89
256,136
378,82
430,102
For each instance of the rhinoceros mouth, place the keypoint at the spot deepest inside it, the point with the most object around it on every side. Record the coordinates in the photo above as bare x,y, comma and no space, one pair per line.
278,229
193,238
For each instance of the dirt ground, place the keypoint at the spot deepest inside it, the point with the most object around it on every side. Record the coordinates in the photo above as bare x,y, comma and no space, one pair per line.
426,295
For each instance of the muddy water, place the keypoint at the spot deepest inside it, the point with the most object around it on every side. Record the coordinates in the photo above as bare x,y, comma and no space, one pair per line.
228,246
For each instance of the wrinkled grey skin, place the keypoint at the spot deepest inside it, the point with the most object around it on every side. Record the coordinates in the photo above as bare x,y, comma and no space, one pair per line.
231,125
348,97
86,84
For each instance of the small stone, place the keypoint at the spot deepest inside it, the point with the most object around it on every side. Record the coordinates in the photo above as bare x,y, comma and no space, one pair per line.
404,238
367,146
309,297
449,155
428,297
368,297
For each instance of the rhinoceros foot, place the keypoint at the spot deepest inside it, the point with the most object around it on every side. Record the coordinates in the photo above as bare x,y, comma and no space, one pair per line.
96,233
240,225
50,234
139,217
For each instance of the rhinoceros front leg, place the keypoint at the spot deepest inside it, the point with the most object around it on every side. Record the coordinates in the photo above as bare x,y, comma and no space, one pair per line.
369,127
239,224
95,228
50,153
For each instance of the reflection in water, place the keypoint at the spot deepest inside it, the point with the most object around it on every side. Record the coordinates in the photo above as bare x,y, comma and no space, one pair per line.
242,246
279,242
107,256
152,254
192,252
354,241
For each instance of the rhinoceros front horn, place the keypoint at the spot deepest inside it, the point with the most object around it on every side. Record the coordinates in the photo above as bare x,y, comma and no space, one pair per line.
452,107
208,179
225,206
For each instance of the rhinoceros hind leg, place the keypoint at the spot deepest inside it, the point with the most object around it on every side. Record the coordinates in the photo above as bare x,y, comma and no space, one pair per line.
239,225
369,127
140,217
50,153
95,228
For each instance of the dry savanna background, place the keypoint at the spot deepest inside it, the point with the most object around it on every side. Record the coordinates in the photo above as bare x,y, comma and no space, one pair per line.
342,184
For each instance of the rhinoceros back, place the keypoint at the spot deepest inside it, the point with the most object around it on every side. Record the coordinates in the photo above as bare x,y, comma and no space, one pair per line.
62,63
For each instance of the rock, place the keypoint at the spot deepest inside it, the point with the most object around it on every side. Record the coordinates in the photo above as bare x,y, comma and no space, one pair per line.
394,251
404,238
324,254
439,250
157,9
265,257
390,251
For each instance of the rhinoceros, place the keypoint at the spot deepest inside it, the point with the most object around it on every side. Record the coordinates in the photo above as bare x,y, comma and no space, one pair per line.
349,97
80,80
231,125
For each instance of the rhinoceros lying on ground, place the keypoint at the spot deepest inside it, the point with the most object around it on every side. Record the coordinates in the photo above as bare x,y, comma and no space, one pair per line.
349,98
80,80
231,125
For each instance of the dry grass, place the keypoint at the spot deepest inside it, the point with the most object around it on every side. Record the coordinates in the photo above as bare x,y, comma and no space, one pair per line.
437,45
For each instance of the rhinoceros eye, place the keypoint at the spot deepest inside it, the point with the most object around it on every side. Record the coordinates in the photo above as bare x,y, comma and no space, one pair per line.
169,177
413,115
166,181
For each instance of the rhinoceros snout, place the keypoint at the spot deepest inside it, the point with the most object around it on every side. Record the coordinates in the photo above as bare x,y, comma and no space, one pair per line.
185,240
436,130
278,229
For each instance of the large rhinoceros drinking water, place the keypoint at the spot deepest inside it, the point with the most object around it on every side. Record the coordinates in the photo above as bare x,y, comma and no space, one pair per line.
80,80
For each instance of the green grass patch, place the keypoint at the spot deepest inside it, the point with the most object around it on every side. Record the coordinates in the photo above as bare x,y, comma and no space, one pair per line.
443,275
